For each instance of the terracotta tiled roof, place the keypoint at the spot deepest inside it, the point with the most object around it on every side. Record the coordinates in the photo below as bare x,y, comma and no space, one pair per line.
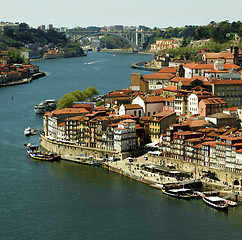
194,65
158,91
132,106
232,109
210,143
69,110
168,70
170,99
225,55
196,123
146,118
226,82
177,79
162,76
153,99
170,88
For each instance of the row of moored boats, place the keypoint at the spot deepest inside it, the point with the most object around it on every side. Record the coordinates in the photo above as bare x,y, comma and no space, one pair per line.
210,198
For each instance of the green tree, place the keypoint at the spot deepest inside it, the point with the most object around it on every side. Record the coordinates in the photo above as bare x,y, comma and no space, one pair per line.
75,96
66,101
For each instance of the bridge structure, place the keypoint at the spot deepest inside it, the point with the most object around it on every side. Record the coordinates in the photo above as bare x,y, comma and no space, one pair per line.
135,38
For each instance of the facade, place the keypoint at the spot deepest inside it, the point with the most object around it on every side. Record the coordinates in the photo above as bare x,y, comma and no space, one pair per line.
229,90
138,83
132,109
159,123
210,106
222,120
196,69
125,136
164,45
158,80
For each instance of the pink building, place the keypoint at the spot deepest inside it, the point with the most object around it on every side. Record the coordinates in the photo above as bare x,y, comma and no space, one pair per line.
210,106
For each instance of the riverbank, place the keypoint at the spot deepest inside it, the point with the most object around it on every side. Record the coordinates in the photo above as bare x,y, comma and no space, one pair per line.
90,156
134,170
25,80
141,66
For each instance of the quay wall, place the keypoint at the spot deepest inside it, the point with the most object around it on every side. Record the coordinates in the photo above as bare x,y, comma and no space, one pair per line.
61,148
225,176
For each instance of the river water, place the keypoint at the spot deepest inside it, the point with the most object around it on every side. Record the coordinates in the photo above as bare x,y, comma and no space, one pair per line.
64,200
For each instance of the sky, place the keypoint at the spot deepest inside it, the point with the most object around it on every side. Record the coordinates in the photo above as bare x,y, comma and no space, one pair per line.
155,13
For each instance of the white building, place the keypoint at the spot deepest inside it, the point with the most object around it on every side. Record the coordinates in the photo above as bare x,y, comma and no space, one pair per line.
125,136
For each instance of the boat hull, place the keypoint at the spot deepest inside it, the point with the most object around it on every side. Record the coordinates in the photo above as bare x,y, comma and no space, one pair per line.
214,205
176,195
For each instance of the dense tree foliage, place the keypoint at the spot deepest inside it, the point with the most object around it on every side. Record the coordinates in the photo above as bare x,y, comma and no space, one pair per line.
113,42
222,32
25,35
76,96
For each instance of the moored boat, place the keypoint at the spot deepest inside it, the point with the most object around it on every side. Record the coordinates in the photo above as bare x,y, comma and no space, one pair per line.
34,152
185,193
47,105
27,131
216,202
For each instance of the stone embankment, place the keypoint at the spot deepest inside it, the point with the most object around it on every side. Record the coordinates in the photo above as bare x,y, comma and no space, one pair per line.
133,170
25,80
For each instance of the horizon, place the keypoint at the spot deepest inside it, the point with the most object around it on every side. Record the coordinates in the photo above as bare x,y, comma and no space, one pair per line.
160,14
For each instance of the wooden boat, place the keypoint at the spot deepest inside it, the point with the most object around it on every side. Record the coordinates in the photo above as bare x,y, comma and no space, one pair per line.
216,202
231,203
34,152
185,193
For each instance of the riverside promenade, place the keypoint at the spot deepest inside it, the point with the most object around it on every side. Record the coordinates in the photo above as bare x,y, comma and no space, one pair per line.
134,171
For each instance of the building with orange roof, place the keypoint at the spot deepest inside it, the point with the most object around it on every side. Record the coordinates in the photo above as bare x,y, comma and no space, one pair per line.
151,104
133,109
52,119
197,69
169,91
168,70
210,106
159,123
158,80
231,56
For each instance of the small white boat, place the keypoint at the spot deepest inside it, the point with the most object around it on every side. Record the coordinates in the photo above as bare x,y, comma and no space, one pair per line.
215,202
27,131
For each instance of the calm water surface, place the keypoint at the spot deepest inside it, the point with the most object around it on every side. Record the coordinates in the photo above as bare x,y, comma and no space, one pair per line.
70,201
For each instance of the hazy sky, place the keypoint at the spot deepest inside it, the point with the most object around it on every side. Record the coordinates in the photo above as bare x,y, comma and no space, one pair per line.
154,13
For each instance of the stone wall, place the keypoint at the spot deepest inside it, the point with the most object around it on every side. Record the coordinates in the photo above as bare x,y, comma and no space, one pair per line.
198,170
75,150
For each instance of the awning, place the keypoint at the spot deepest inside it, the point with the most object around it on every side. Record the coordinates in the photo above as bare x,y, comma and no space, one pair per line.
152,145
155,152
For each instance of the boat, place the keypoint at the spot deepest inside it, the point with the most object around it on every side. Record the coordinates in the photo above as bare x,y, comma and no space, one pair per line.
157,185
27,131
47,105
35,153
216,202
231,203
185,193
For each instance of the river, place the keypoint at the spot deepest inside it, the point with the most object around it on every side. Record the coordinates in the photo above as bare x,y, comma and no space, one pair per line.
64,200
